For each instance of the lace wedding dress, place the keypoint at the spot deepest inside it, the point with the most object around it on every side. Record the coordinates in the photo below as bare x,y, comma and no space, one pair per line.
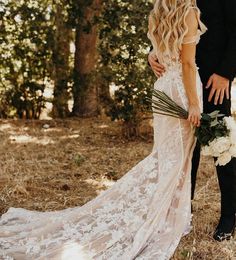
142,216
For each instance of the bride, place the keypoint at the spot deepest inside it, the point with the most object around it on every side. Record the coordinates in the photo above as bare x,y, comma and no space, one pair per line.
145,214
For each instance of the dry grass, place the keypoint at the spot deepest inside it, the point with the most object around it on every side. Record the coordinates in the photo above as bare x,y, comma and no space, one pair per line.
70,162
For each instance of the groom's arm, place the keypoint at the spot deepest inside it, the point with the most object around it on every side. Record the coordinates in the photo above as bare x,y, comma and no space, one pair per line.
227,67
157,68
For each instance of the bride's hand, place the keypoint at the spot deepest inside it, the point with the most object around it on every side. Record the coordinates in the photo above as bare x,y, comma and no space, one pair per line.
194,115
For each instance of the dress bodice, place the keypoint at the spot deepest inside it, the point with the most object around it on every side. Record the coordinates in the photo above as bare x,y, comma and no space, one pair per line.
173,62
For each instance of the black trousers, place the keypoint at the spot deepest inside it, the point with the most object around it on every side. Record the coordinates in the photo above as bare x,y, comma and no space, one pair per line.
226,174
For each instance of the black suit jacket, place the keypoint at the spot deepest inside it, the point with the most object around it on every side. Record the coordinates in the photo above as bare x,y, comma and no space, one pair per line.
216,52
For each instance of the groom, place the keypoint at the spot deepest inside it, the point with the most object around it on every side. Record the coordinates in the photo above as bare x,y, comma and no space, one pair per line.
216,59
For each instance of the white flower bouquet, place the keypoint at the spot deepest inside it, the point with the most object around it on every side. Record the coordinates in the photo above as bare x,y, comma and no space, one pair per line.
222,146
216,134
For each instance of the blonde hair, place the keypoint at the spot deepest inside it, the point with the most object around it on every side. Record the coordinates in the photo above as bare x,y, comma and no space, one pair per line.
167,25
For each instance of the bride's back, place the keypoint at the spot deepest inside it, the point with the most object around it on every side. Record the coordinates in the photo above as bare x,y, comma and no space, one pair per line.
168,27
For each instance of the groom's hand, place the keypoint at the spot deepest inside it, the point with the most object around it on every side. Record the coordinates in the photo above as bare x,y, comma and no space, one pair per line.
157,68
219,87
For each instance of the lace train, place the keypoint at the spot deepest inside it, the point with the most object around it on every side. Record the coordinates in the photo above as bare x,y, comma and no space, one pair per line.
142,216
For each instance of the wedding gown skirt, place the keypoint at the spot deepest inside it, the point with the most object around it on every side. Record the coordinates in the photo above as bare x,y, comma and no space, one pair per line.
142,216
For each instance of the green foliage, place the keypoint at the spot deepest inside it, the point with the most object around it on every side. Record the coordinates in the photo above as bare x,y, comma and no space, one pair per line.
212,126
123,49
29,55
25,55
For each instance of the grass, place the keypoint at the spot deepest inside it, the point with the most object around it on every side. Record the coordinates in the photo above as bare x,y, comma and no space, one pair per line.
52,165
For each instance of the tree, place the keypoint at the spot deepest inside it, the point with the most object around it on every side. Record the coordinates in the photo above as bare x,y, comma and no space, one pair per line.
25,58
123,48
85,89
61,56
35,52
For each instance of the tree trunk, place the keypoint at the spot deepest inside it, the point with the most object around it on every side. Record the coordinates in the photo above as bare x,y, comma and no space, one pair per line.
61,53
105,99
85,89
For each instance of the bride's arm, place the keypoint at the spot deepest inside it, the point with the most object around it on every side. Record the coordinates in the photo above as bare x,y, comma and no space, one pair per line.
188,54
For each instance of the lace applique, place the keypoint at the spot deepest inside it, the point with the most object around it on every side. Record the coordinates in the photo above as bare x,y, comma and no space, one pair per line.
142,216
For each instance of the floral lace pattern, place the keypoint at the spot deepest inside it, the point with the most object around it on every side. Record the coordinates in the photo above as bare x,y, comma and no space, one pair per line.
142,216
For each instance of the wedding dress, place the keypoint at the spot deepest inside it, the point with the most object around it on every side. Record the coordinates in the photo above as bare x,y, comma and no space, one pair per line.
142,216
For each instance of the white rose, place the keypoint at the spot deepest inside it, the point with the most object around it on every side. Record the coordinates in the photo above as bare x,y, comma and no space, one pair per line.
230,122
232,150
220,145
231,125
232,136
214,152
223,159
206,150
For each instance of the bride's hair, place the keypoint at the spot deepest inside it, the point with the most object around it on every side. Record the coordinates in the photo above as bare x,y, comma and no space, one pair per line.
167,26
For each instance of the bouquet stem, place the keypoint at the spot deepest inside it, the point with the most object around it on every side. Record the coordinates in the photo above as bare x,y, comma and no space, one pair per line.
211,125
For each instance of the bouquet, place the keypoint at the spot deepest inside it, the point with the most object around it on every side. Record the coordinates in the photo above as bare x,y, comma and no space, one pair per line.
216,134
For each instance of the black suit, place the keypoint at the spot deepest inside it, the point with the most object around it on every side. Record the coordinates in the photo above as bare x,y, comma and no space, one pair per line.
216,53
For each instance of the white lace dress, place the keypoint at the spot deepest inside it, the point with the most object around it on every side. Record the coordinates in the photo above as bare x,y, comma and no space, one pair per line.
142,216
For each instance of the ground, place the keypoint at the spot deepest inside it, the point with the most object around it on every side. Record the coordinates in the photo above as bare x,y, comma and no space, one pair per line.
52,165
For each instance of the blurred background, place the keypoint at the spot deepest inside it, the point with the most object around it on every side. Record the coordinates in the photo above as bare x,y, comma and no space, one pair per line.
74,58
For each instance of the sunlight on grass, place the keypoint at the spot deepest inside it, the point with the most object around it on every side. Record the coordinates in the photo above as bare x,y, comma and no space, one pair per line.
5,127
107,183
104,182
53,129
29,139
70,136
103,126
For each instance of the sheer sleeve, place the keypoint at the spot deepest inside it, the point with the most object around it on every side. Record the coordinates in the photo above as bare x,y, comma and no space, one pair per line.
191,39
201,30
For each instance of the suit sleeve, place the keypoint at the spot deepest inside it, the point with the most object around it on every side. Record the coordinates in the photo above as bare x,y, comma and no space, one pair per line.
227,67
